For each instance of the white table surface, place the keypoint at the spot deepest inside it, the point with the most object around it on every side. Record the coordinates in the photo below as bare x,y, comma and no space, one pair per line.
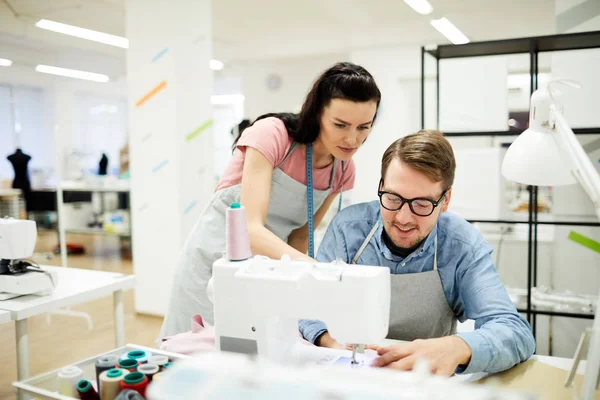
558,362
10,192
4,316
74,286
74,186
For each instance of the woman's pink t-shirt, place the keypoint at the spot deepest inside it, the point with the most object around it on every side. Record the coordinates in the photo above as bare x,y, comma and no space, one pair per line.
270,137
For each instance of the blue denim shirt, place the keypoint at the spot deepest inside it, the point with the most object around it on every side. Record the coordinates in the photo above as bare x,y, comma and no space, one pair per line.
502,337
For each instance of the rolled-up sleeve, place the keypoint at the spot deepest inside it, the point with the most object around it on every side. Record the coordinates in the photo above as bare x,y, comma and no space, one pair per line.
332,248
502,337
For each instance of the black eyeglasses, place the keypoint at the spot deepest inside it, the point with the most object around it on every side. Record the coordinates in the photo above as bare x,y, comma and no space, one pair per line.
419,206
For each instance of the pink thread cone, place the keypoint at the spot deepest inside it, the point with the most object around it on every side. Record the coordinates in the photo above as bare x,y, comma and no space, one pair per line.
237,245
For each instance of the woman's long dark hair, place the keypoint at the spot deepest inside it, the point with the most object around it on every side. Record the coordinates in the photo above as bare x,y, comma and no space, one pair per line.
344,80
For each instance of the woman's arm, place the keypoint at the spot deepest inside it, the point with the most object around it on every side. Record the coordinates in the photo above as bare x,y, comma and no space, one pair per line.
298,239
255,197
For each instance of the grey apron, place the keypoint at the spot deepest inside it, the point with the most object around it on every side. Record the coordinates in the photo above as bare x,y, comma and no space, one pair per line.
418,309
287,212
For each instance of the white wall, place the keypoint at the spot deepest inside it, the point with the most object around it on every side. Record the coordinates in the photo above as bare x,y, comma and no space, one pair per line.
56,109
296,78
397,71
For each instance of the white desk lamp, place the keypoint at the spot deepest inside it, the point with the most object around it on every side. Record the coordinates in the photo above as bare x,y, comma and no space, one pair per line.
549,154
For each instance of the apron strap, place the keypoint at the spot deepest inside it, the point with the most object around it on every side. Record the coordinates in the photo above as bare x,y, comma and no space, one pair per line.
435,253
332,174
365,243
290,151
341,189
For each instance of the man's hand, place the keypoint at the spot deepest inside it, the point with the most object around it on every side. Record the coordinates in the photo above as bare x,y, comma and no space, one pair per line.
443,355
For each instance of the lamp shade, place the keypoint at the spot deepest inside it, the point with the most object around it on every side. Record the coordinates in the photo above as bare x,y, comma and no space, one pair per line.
535,157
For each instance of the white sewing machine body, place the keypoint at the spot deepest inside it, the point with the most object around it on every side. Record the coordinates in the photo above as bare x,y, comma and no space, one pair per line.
259,301
17,242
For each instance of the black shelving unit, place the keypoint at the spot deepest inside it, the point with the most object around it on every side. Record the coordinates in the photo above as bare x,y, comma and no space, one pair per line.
532,46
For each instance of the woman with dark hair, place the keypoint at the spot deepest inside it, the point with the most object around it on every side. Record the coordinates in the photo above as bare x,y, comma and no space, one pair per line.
281,164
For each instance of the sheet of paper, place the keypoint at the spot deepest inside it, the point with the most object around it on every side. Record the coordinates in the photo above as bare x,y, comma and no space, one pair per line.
363,360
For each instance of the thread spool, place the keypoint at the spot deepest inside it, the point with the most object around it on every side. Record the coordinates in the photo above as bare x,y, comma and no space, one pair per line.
149,370
140,355
159,360
135,381
104,363
110,383
167,365
129,394
86,391
237,245
157,377
128,363
67,380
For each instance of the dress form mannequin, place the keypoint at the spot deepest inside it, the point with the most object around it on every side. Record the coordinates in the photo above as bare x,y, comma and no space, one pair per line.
20,161
103,165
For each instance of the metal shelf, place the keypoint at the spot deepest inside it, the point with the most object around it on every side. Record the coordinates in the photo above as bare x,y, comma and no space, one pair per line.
507,221
516,132
535,310
530,46
571,41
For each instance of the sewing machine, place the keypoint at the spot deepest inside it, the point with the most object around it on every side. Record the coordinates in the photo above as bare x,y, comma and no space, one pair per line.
258,302
19,277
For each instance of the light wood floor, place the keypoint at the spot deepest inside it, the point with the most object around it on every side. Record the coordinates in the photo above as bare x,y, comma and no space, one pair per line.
67,339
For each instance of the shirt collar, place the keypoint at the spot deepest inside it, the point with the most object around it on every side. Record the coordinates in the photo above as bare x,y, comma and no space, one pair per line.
385,251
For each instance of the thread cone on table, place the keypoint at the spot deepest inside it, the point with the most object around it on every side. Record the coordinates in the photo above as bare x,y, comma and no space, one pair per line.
86,391
237,244
140,355
110,383
159,360
149,370
102,364
128,364
129,394
68,377
135,381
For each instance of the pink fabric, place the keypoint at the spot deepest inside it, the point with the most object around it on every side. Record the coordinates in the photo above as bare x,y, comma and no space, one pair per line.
200,339
270,137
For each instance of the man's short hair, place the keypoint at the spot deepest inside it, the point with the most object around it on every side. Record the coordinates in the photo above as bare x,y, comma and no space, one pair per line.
426,151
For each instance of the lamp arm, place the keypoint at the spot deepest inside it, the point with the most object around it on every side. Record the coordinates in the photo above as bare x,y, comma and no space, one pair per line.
581,166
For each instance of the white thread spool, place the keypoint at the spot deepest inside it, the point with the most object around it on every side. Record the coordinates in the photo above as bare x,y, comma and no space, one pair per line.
159,360
67,380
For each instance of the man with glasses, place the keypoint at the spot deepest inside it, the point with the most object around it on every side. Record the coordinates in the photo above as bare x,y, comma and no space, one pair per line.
440,264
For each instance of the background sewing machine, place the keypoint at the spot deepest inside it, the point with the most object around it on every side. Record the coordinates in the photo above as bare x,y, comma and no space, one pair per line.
259,301
17,276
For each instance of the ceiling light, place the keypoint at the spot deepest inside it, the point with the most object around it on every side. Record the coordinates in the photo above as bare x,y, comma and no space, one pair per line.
72,73
420,6
451,32
5,63
216,65
83,33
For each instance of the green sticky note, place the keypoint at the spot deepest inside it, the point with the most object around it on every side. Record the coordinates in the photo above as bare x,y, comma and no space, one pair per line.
584,241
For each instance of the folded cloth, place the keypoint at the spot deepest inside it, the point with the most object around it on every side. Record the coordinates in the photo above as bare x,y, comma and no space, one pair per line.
200,339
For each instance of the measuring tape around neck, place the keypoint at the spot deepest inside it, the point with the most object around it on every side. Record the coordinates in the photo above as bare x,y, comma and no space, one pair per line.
309,200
